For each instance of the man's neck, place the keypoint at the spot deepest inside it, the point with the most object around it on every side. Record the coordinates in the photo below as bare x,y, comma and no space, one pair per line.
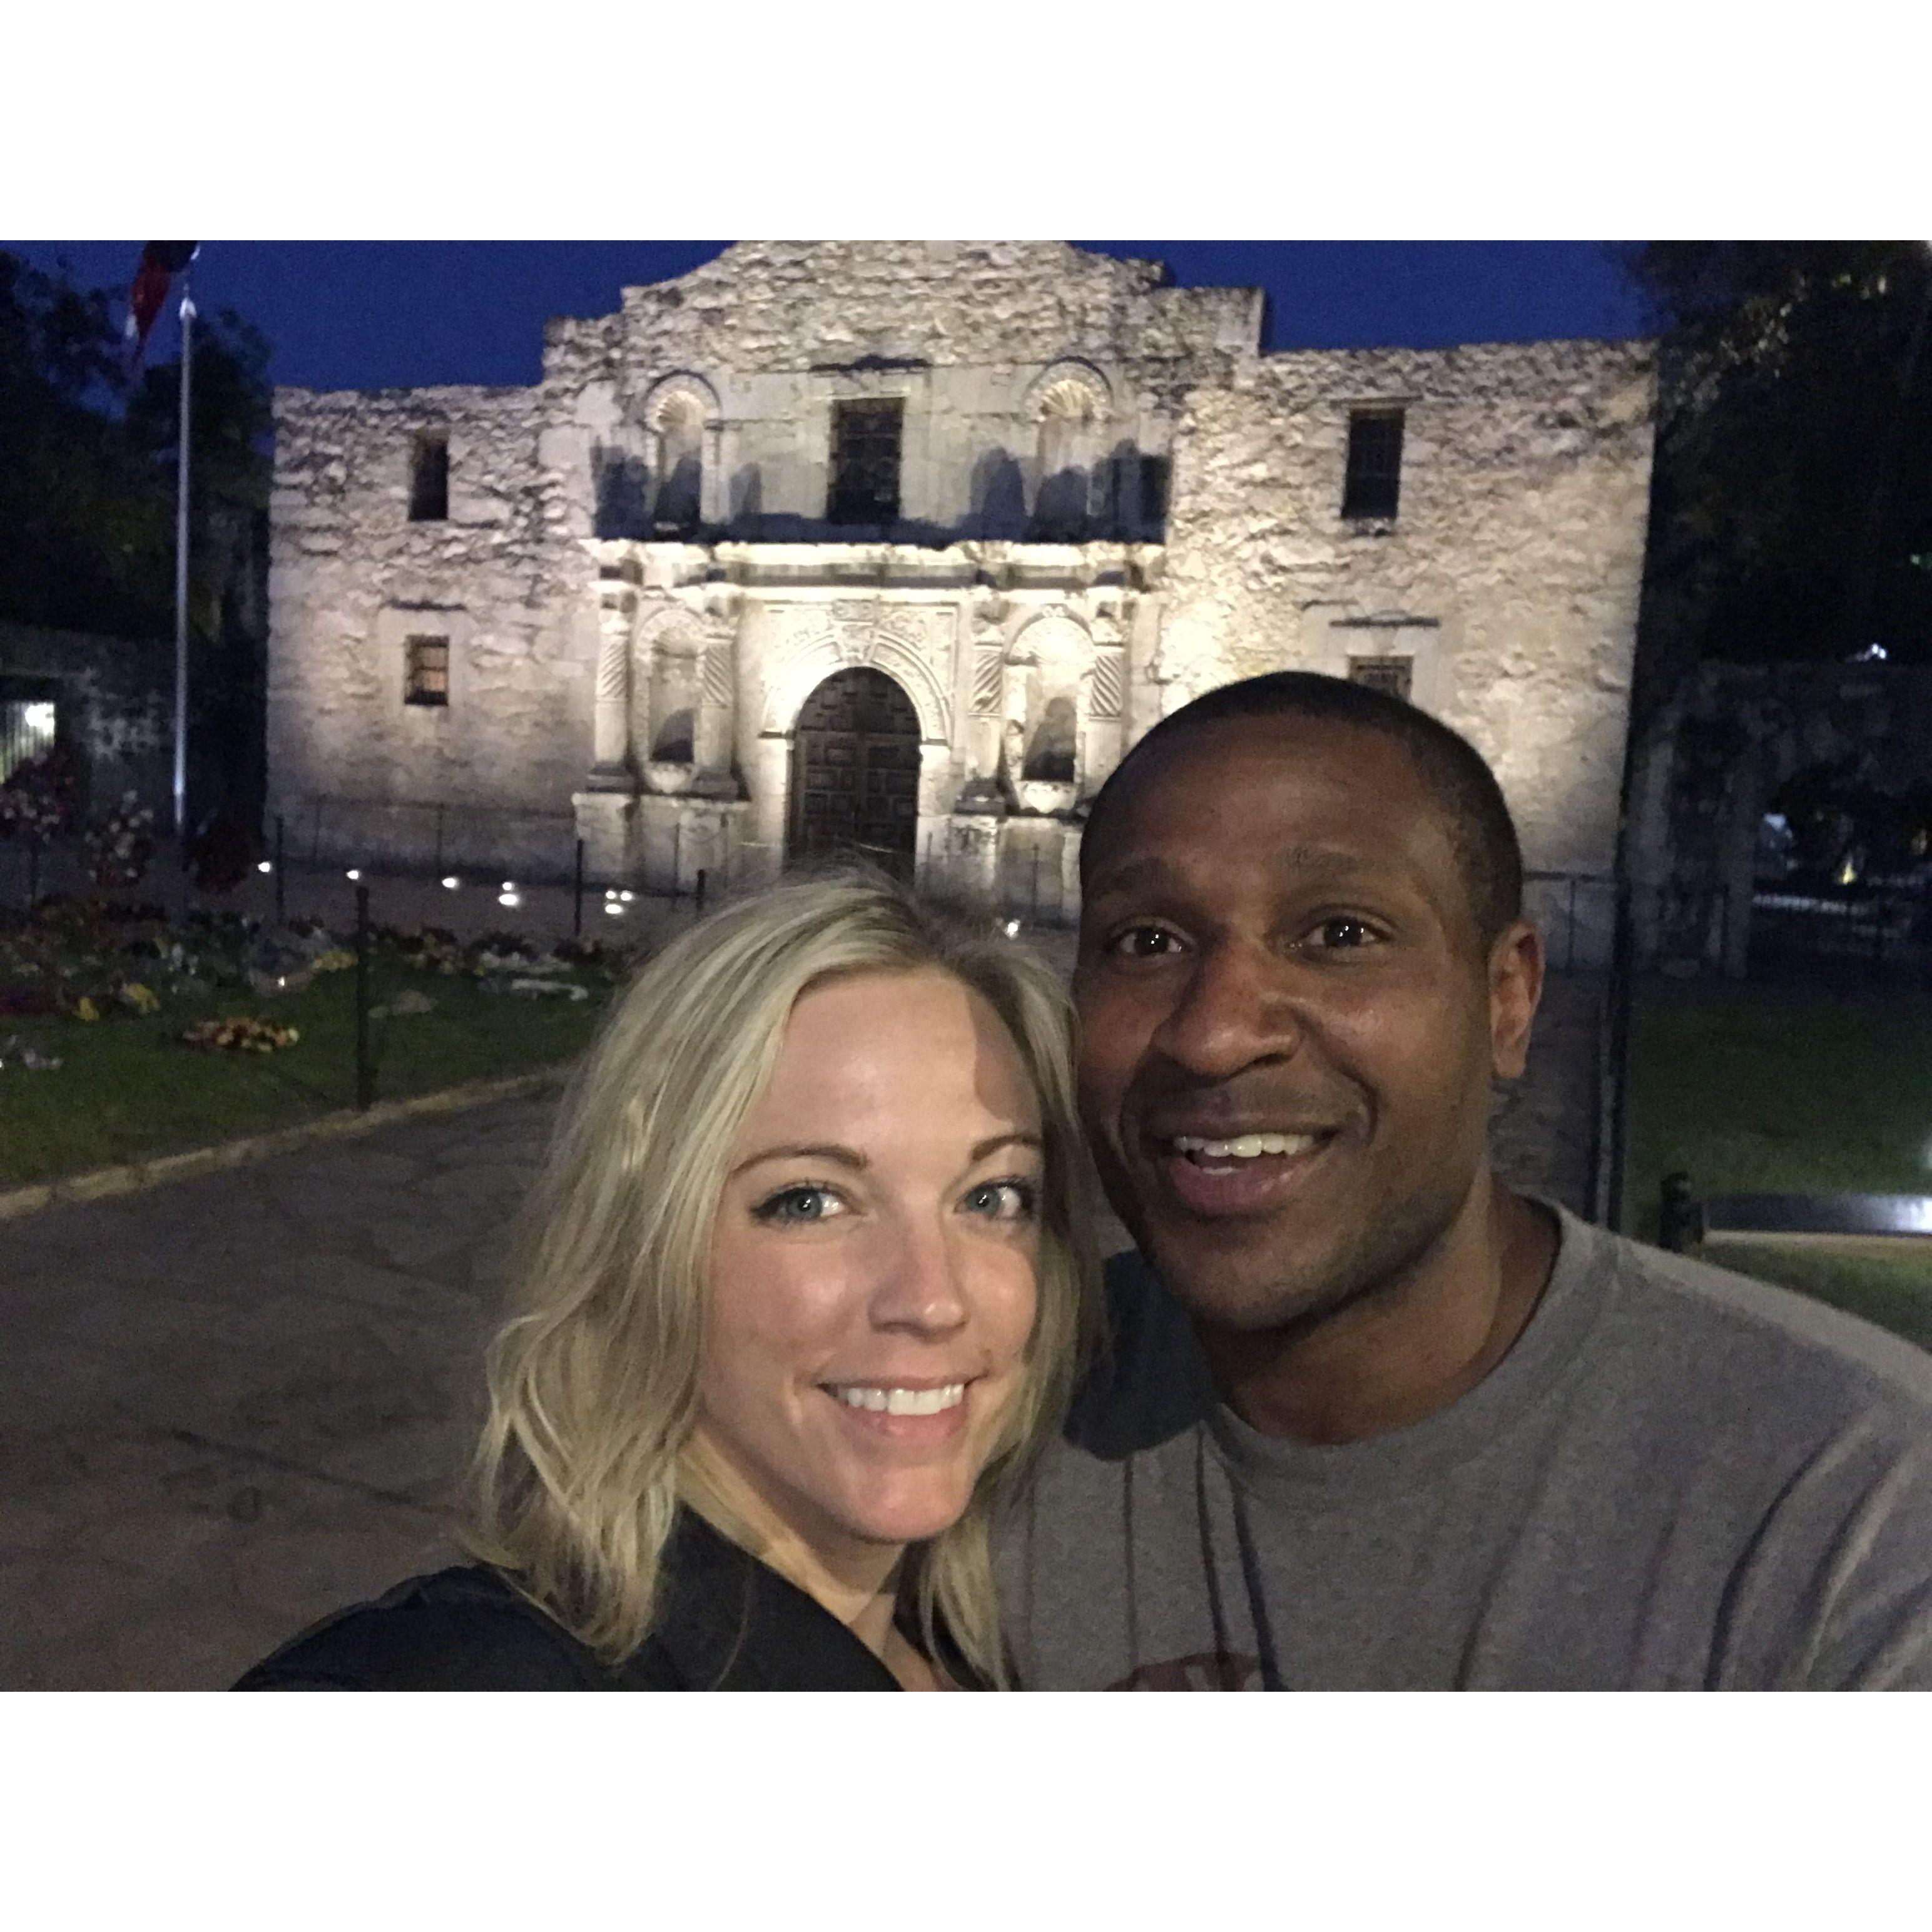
1408,1347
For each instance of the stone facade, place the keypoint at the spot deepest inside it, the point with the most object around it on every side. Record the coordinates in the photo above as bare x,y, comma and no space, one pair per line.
1103,500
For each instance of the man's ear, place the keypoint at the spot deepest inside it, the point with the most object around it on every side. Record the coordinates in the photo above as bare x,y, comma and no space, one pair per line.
1516,964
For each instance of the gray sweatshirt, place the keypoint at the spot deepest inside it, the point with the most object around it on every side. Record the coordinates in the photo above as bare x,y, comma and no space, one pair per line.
1677,1479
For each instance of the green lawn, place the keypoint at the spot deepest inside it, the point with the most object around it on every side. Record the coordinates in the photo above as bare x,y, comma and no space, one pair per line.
128,1089
1755,1090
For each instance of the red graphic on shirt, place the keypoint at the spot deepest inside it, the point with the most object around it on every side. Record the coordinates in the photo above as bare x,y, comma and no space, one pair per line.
1206,1670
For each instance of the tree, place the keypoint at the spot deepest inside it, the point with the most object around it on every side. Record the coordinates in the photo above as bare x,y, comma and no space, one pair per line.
87,497
1791,517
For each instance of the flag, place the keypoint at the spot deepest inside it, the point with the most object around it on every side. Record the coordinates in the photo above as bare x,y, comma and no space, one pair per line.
161,262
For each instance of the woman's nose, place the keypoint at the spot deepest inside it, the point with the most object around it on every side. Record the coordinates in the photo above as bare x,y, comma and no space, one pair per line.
919,1288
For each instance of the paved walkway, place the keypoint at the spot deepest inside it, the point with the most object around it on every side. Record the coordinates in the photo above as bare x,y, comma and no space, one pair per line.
229,1405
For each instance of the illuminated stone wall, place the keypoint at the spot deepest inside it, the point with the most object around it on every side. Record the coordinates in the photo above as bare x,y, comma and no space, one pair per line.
1109,499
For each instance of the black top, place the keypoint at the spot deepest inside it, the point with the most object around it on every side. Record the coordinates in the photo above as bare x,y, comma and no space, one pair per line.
726,1622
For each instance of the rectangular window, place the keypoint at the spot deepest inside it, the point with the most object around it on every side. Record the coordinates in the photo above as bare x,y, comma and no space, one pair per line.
426,674
429,480
1375,463
865,442
1389,674
1155,475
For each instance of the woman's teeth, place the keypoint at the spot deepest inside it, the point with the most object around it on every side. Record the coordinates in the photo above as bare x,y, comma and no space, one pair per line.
1243,1146
899,1401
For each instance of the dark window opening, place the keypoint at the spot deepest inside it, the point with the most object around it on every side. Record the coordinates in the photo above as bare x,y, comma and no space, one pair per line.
1156,473
1389,674
426,676
1050,757
676,739
429,480
1375,463
865,442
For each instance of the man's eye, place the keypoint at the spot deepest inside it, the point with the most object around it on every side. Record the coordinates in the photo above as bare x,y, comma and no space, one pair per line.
1145,942
1002,1200
797,1206
1344,932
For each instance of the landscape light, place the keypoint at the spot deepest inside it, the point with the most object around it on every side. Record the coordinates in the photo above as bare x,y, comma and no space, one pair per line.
452,882
1013,929
611,892
265,866
354,872
627,897
613,908
509,885
509,899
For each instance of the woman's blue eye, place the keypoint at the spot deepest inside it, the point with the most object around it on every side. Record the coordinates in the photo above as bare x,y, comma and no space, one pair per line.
1002,1200
796,1206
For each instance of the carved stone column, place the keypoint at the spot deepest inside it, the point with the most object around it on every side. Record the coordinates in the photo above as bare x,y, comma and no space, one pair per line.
611,761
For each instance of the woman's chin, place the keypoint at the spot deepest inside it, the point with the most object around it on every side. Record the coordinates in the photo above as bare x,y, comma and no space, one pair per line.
902,1518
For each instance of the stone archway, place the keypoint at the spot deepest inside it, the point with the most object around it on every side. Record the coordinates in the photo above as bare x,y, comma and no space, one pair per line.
854,790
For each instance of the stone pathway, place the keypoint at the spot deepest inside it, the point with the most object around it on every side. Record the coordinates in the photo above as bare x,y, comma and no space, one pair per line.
232,1404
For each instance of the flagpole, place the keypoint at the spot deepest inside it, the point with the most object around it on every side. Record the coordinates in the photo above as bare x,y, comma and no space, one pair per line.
187,312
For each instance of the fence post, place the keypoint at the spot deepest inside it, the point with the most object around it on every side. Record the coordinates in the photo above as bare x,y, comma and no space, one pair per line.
577,904
281,897
365,1070
700,906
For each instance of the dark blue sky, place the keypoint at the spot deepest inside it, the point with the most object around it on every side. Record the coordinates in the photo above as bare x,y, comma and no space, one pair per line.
371,314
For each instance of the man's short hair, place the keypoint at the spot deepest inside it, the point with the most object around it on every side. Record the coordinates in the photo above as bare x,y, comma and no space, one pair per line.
1454,773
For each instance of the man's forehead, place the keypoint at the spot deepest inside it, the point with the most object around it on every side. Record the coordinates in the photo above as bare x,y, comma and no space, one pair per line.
1359,791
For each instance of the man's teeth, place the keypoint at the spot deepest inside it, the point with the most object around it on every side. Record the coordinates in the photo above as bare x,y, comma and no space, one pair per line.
900,1401
1243,1146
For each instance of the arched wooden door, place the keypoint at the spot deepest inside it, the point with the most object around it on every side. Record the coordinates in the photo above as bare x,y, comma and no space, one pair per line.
855,774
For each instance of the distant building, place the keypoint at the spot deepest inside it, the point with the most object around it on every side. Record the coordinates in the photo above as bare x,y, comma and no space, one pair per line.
902,544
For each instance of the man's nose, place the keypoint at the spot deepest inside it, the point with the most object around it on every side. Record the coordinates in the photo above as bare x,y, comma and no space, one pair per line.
1236,1009
918,1289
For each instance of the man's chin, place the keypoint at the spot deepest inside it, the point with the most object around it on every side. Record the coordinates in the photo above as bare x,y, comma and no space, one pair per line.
1247,1292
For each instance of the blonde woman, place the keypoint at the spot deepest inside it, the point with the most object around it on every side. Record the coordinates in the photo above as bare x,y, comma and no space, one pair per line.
807,1281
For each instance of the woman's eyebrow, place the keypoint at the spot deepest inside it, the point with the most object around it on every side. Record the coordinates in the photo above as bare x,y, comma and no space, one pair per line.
829,1151
985,1148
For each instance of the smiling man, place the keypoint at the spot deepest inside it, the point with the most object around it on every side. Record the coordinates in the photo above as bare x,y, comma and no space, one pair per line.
1370,1419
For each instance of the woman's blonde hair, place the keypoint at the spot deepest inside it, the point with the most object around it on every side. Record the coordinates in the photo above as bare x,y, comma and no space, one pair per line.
593,1380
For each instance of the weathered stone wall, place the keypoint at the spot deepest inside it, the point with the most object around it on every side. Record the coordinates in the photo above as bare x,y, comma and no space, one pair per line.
1511,572
1711,767
579,624
771,334
114,698
351,577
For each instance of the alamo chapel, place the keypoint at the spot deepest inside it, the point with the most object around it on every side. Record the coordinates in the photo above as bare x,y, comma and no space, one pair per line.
900,545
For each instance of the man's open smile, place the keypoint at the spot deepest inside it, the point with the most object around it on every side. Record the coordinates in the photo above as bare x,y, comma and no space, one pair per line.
1236,1169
